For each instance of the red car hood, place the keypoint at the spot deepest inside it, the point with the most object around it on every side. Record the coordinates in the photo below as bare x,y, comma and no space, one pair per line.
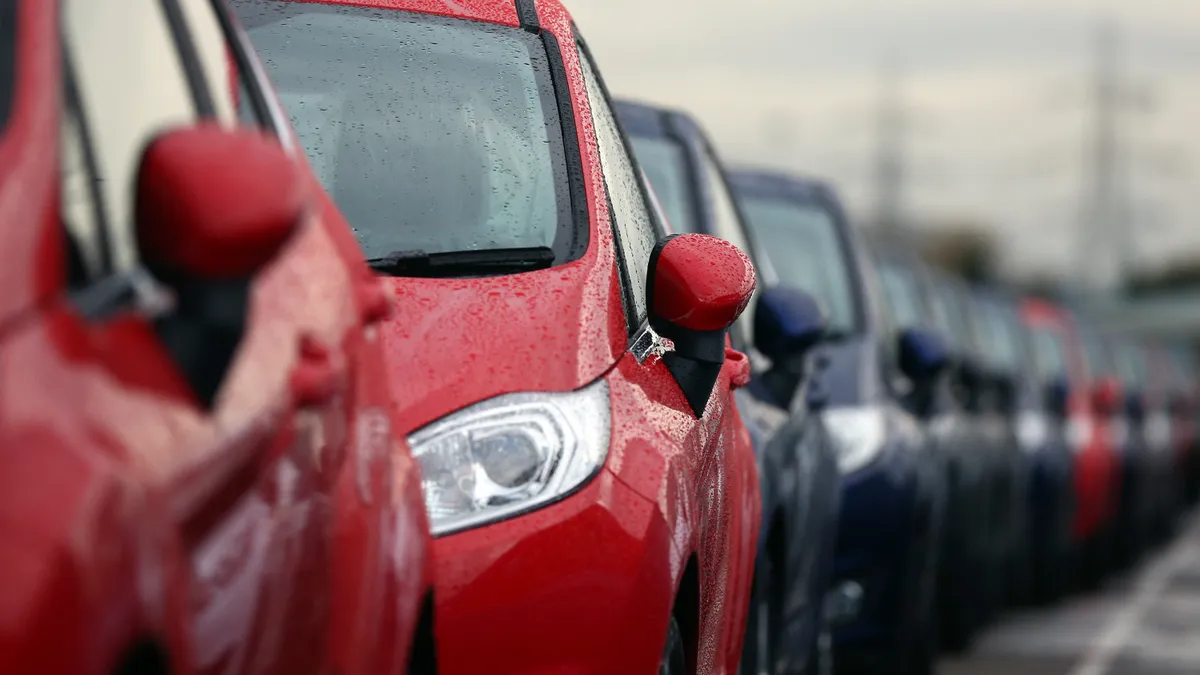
454,342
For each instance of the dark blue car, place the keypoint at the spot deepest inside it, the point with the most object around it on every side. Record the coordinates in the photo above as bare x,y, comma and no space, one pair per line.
1044,506
957,437
872,374
797,466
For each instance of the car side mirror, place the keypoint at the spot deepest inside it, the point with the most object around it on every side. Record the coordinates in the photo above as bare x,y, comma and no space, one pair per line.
697,286
1057,395
923,355
213,207
1105,397
787,323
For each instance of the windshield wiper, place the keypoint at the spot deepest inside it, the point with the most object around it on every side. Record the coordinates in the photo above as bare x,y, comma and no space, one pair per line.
477,262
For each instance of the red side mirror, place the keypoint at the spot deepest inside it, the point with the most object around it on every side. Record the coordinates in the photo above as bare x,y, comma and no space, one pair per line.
699,282
216,204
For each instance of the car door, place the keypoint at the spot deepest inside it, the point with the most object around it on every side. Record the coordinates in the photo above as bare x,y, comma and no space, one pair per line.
717,451
249,481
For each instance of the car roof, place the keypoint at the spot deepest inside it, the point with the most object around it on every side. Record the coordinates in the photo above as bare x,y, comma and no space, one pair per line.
783,184
491,11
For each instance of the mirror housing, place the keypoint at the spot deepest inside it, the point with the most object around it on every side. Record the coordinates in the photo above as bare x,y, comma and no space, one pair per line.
1057,396
215,204
697,286
1105,397
213,207
787,323
923,355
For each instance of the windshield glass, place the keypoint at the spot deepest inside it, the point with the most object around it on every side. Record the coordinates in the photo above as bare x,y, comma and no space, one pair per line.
1095,352
1048,353
665,164
805,249
1003,337
903,297
430,134
950,313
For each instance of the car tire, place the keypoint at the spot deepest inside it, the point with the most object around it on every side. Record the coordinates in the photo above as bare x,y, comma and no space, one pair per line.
758,647
674,658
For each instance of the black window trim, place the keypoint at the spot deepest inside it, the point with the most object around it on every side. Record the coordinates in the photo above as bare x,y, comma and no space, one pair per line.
8,59
633,322
270,115
73,104
189,59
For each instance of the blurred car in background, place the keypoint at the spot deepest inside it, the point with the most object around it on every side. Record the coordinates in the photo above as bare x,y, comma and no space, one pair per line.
199,470
892,485
1186,415
963,559
1042,488
1109,390
589,484
974,386
1165,434
798,471
1091,442
1042,431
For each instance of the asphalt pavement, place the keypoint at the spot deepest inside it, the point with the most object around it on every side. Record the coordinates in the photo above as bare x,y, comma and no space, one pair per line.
1145,623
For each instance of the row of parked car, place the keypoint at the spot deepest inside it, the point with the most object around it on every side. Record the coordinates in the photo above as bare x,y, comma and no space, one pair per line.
373,337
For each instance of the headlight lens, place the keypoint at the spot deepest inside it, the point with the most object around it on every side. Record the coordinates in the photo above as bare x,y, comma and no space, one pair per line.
1033,431
510,454
859,435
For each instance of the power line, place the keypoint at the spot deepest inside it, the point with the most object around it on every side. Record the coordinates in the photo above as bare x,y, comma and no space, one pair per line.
1107,245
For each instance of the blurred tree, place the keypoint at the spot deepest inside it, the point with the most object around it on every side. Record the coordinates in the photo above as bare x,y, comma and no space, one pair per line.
1175,276
961,247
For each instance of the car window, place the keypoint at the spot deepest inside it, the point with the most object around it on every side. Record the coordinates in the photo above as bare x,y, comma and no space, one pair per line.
128,91
805,249
1002,342
901,295
120,94
431,134
1049,355
636,231
728,225
664,161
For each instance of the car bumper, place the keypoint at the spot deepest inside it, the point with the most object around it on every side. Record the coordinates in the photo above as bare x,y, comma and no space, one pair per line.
583,586
882,510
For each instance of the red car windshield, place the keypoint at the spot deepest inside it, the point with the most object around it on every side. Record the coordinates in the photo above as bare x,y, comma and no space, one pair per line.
431,134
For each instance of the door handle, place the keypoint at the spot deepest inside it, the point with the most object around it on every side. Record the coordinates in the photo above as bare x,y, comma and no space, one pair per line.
317,376
374,301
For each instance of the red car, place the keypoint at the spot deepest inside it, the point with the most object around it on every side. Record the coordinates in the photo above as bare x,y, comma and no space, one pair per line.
1097,480
591,487
199,471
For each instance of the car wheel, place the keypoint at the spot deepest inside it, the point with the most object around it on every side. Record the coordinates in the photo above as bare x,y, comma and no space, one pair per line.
758,651
674,661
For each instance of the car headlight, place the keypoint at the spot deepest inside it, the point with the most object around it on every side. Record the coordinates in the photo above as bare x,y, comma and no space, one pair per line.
1079,433
510,454
1032,431
859,435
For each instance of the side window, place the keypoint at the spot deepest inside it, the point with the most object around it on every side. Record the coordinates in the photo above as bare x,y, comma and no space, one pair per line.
727,224
121,94
637,232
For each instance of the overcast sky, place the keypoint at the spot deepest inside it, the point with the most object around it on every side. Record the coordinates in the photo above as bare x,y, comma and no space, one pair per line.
997,91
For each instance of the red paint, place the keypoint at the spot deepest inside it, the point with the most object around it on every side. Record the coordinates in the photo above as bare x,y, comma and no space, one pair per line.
1097,466
701,282
182,227
586,584
259,538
